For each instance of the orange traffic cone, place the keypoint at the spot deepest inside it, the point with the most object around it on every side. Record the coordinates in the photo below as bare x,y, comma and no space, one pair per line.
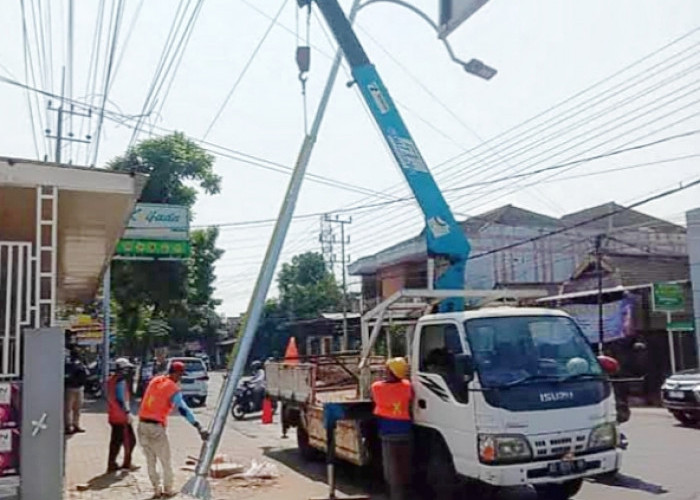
291,354
267,411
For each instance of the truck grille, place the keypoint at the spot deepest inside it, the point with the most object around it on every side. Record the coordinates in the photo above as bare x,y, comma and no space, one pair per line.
559,445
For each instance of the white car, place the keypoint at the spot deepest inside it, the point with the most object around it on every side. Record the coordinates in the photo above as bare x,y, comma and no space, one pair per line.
195,382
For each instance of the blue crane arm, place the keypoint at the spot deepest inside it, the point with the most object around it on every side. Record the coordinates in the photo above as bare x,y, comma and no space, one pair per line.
444,236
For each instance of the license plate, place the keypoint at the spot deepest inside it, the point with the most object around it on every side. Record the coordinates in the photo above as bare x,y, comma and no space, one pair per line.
566,467
676,395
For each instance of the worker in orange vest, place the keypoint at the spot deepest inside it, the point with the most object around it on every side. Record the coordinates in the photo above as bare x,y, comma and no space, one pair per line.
392,398
119,416
161,397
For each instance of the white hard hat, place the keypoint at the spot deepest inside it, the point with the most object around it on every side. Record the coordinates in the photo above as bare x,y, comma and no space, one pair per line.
123,364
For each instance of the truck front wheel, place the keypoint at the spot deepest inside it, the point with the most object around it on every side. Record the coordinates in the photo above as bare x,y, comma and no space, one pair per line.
306,451
440,475
559,491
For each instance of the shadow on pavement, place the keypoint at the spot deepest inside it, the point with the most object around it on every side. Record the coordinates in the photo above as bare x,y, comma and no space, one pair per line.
353,480
105,481
630,483
350,480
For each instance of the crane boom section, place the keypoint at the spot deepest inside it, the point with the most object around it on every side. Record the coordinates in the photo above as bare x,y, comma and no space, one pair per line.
444,236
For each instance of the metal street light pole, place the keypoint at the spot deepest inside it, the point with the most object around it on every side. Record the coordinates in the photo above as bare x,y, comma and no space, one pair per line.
198,486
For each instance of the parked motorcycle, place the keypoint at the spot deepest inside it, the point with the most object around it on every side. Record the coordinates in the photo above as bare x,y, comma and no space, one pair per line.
245,402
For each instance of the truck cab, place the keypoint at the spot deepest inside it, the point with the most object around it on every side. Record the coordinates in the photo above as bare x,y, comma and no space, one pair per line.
512,396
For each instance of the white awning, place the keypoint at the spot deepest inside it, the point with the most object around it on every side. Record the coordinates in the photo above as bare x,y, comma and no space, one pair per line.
93,208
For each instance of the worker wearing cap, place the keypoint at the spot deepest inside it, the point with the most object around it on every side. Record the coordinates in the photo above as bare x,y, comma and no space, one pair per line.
161,397
392,398
119,416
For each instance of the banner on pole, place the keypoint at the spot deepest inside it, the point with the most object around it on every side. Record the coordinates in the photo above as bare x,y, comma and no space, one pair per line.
617,319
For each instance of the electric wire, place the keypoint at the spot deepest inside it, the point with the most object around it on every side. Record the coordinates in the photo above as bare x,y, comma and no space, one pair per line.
91,79
438,169
589,137
29,71
243,72
108,75
189,29
150,95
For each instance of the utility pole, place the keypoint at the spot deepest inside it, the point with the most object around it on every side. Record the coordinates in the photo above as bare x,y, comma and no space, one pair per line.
344,261
327,238
599,275
60,110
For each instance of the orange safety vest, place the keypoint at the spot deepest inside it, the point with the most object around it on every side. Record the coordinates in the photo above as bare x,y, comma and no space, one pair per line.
115,411
156,404
392,399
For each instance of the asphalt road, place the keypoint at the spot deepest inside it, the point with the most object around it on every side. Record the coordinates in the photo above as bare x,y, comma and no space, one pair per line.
662,462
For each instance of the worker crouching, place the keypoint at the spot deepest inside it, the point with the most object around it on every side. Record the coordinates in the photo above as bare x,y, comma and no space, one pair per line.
392,406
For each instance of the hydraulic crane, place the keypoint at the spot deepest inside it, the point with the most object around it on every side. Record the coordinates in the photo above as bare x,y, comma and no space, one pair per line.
445,239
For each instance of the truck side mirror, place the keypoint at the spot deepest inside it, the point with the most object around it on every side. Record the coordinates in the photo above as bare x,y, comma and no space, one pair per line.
464,365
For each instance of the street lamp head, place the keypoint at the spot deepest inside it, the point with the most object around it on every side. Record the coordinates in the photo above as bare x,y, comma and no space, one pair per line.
478,68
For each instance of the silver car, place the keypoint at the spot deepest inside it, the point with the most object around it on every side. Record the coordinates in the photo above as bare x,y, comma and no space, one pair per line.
195,381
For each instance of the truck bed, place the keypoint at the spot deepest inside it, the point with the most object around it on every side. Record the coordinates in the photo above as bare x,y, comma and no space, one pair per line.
318,379
306,386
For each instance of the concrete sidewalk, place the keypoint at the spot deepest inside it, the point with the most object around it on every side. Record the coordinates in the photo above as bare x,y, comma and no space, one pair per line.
86,463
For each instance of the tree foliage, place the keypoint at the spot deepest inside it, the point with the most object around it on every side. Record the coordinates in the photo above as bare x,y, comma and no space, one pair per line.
201,303
307,288
175,166
173,163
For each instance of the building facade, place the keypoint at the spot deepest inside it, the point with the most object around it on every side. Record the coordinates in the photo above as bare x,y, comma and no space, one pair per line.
537,249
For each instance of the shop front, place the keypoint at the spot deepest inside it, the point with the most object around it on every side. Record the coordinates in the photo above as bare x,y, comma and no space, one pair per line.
59,226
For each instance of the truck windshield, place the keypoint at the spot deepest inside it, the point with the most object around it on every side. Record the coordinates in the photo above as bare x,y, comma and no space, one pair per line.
513,350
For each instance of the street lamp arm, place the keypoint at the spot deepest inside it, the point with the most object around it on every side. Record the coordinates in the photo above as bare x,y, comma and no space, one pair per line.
432,24
407,5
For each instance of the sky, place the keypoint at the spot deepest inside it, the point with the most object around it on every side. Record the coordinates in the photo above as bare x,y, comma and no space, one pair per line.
575,80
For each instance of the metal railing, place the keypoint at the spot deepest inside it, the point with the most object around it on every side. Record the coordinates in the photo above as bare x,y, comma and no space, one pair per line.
16,273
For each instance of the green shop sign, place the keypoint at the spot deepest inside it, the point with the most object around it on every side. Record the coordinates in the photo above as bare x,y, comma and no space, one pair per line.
153,248
669,297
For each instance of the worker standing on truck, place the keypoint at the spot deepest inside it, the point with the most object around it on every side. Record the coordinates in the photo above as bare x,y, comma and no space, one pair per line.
162,396
392,398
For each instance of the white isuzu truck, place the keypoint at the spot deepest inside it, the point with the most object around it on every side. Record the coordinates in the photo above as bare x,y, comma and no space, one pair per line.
504,396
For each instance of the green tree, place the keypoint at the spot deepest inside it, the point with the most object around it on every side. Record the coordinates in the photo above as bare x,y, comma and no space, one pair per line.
200,295
175,166
307,288
201,303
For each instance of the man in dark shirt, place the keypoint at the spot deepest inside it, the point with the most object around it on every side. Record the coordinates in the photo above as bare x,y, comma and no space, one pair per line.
75,379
